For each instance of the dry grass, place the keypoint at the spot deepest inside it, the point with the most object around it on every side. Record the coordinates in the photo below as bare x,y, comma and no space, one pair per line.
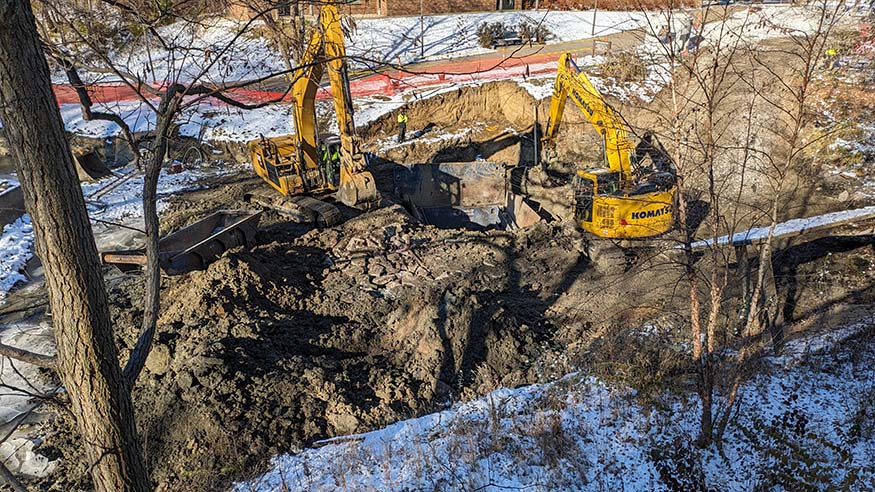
624,67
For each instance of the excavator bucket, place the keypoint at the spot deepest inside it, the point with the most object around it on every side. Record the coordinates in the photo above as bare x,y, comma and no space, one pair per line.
90,167
359,189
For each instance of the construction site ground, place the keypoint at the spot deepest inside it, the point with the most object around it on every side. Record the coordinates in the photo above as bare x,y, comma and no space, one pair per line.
321,333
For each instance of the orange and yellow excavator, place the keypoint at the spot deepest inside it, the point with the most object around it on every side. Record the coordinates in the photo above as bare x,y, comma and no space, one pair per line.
305,165
633,195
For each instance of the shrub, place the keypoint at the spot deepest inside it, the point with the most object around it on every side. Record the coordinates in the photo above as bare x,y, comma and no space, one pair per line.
489,32
533,32
624,67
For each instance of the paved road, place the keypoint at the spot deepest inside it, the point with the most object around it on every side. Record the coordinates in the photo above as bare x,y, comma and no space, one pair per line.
504,63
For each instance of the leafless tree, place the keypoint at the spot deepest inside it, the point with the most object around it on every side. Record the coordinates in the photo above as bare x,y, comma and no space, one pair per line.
87,359
718,93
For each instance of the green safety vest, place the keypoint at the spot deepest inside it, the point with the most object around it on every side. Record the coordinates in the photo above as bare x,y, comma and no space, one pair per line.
402,118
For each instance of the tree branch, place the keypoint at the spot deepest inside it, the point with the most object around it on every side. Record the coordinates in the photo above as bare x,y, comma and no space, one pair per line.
39,360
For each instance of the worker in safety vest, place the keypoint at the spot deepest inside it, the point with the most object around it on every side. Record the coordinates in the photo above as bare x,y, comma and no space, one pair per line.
325,162
831,57
402,126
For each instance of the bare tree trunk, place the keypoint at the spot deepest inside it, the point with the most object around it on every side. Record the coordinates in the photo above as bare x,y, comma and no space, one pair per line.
152,298
87,355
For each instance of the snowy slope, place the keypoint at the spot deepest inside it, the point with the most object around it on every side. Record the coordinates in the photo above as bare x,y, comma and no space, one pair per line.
581,434
225,50
396,40
788,227
16,248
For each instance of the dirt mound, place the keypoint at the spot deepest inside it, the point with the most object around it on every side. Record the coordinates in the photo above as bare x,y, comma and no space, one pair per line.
485,121
496,103
332,332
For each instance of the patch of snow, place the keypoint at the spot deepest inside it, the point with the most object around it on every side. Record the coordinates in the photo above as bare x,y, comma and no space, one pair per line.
797,349
788,227
581,434
217,50
16,248
229,124
539,87
387,144
36,338
753,25
135,113
125,201
19,456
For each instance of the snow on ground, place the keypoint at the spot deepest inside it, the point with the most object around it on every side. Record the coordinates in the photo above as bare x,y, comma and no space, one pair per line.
136,114
219,122
371,42
122,205
857,169
21,379
767,22
16,248
429,138
788,227
579,433
396,40
213,51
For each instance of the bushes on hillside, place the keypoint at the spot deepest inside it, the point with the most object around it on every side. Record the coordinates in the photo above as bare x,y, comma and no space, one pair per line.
624,67
489,32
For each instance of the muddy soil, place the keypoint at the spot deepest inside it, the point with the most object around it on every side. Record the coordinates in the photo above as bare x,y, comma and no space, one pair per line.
316,334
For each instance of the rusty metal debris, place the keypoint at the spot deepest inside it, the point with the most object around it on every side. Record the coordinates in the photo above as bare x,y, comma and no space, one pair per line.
196,246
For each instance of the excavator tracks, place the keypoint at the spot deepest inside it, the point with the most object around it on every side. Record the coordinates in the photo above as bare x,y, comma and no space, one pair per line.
300,208
326,214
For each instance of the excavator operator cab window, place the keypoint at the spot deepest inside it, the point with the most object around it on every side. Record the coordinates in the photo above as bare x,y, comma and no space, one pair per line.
330,161
608,183
583,188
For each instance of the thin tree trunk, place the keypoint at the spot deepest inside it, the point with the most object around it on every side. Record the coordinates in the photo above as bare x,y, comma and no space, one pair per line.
152,271
87,355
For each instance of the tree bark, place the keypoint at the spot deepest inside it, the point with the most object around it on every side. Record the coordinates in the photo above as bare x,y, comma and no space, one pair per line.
87,359
152,290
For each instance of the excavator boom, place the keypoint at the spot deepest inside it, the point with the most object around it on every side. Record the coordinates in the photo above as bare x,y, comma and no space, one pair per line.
294,164
571,81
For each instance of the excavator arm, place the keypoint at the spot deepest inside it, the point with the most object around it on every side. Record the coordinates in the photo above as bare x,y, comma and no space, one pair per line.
292,164
305,84
356,184
571,82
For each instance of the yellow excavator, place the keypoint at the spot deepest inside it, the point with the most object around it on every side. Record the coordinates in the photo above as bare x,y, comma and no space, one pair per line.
300,166
633,195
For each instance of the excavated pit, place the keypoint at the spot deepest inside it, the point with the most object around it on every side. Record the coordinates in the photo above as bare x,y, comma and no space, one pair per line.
314,334
471,161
